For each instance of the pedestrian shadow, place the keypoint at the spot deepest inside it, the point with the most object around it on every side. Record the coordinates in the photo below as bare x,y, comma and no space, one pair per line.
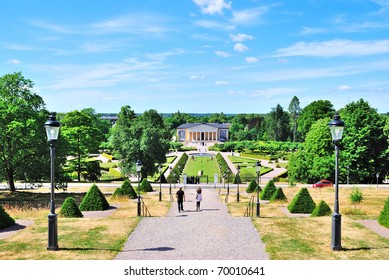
363,248
155,249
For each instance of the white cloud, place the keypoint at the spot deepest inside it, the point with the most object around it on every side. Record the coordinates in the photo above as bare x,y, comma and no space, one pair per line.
214,25
249,16
272,92
335,48
251,59
212,7
222,54
344,88
221,83
14,61
196,77
239,47
310,31
241,37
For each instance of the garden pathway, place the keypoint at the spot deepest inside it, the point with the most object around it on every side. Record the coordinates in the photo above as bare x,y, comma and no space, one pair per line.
209,234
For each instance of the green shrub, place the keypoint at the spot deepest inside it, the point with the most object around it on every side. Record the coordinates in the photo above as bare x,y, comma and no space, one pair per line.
322,209
118,192
94,200
356,196
5,219
383,218
128,190
69,209
237,179
252,187
268,190
302,203
145,186
278,196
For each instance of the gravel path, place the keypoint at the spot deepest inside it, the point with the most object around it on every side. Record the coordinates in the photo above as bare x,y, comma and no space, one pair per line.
209,234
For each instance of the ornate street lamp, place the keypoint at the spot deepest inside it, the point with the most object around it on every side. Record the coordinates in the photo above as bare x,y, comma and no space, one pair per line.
258,170
138,170
336,127
160,181
238,179
52,127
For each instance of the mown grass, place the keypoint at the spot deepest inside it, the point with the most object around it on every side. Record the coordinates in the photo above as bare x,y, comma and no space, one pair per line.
78,238
309,238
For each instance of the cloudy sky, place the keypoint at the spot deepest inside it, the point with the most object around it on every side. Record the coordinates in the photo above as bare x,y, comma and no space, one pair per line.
204,56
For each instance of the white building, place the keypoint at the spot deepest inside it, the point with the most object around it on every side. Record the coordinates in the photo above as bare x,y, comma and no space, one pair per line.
203,132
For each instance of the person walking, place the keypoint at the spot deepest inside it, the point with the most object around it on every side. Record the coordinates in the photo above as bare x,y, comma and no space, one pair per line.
180,195
199,198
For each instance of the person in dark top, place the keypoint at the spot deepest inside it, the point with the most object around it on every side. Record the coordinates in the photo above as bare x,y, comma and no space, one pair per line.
180,195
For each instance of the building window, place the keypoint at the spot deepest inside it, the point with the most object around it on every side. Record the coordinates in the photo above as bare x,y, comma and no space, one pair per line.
223,135
181,135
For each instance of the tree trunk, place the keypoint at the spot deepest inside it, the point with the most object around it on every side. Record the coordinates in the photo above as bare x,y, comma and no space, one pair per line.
11,183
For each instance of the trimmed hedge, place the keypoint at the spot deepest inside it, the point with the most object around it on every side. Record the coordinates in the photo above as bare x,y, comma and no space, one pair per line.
278,196
302,203
383,218
252,187
145,186
5,219
127,189
322,209
237,179
268,190
94,200
69,209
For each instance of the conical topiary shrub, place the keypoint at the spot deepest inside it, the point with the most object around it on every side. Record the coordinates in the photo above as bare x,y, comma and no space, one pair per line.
237,179
69,209
5,219
322,209
252,187
268,190
163,179
128,190
278,196
94,200
383,218
302,203
145,186
118,193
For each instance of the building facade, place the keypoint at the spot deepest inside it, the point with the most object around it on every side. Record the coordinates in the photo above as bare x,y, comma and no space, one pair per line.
203,132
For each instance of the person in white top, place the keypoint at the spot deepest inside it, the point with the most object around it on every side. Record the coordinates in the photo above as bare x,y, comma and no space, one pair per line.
199,198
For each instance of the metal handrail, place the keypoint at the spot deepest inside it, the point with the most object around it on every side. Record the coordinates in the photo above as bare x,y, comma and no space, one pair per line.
250,208
145,210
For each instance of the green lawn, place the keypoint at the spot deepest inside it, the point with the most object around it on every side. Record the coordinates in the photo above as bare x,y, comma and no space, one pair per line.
206,164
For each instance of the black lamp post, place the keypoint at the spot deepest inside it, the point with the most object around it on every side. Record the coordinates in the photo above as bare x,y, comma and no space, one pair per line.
238,179
258,170
138,170
336,127
52,127
160,182
170,180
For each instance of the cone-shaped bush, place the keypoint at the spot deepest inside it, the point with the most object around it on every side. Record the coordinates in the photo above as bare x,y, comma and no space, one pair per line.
302,203
128,190
69,209
163,179
278,196
322,209
145,186
237,179
383,218
94,200
118,193
5,219
268,190
252,187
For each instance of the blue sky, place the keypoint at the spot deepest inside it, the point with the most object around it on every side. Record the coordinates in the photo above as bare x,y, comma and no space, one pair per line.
200,56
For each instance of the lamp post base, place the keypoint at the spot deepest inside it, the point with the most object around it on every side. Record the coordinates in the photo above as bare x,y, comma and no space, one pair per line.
52,233
336,232
237,197
258,209
139,209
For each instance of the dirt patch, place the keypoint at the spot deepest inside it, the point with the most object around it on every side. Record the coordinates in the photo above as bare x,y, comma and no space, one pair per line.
99,214
19,225
376,227
293,215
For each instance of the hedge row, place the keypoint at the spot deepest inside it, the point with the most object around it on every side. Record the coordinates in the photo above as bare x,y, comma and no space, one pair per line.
224,168
177,169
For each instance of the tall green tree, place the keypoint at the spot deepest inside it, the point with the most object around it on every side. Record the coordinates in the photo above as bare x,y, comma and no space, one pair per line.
82,131
24,149
278,124
143,138
311,113
294,112
365,146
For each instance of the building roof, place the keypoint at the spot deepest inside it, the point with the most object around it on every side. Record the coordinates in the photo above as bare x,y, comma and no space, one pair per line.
217,125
